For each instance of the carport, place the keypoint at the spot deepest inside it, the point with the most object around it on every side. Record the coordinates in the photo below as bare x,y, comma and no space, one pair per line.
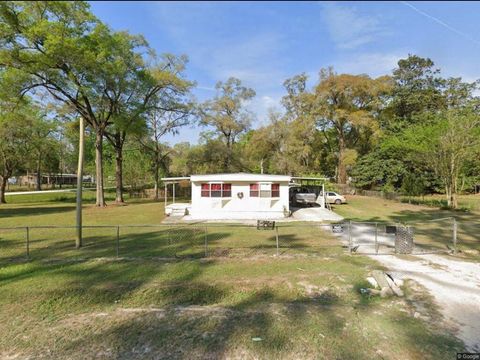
315,184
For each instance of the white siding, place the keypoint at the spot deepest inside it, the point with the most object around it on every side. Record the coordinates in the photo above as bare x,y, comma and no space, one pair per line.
239,208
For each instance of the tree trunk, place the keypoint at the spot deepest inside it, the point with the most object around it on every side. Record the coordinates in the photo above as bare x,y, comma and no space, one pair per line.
157,181
449,194
455,185
454,200
342,170
453,195
119,176
100,201
39,174
227,161
3,186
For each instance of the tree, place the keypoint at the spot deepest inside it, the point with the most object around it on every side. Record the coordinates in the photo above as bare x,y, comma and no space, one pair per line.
160,123
412,186
136,166
301,137
227,115
44,146
265,149
419,95
446,146
158,89
349,104
378,168
417,90
15,135
63,49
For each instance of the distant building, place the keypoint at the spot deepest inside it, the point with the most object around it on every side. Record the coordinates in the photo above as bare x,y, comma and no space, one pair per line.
51,179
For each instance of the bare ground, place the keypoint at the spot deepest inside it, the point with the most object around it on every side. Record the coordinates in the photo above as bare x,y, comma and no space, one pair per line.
454,284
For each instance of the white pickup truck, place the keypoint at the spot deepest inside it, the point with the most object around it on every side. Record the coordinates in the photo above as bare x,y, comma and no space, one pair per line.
303,196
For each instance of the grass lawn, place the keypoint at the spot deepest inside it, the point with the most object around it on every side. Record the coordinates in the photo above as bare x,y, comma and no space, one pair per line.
467,202
304,305
159,241
436,234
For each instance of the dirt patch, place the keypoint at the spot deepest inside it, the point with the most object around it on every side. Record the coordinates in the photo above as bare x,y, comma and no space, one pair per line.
454,286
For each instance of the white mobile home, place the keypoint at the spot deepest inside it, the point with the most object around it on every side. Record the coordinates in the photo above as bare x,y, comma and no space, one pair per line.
237,196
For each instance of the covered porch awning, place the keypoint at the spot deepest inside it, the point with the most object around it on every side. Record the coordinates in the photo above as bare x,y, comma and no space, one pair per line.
172,181
305,180
175,180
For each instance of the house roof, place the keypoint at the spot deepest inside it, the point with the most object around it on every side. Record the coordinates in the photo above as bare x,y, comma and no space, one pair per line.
240,177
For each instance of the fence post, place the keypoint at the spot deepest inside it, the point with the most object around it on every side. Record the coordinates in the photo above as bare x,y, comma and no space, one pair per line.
376,238
455,227
206,242
118,241
27,238
276,238
350,236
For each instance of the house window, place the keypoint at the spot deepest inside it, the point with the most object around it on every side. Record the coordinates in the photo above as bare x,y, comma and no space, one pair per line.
216,190
253,190
265,190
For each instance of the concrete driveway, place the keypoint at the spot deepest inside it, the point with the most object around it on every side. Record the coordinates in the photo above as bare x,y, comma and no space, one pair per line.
314,214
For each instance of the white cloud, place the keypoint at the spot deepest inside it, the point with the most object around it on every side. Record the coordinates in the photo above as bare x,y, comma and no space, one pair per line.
261,105
348,28
373,64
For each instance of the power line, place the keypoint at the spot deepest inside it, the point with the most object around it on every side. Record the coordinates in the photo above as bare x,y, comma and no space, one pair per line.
442,23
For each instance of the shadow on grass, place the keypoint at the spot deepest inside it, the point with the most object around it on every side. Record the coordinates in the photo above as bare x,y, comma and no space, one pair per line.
164,242
167,310
33,210
191,325
184,331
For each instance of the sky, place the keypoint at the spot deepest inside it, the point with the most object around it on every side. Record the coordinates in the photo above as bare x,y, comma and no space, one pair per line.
265,43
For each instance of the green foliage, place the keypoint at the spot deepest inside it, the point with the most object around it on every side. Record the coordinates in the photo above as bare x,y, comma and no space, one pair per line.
412,185
226,114
414,130
17,119
378,169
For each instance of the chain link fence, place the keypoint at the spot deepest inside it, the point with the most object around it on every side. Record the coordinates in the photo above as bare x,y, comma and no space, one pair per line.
237,240
420,237
164,241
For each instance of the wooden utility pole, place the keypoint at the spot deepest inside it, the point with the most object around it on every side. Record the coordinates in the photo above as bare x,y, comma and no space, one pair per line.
81,142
